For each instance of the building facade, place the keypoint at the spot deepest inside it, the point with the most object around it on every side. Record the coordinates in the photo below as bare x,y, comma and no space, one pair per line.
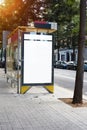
67,54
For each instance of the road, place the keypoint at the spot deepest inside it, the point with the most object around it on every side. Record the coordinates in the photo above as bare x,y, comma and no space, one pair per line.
66,78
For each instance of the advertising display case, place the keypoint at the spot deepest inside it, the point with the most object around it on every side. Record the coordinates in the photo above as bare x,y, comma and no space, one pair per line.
29,58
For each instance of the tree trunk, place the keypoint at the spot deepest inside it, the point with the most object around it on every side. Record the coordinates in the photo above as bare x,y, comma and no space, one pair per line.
77,97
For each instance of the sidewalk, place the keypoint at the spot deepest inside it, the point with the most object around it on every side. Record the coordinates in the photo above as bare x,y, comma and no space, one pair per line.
38,110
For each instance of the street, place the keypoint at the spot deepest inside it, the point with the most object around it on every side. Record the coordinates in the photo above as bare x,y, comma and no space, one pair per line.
66,79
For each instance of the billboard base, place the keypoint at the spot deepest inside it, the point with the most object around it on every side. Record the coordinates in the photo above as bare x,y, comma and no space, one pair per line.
50,88
24,89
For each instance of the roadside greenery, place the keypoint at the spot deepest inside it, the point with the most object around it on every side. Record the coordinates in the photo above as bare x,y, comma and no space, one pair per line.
66,14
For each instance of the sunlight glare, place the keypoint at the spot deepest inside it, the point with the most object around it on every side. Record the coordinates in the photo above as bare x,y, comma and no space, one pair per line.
1,1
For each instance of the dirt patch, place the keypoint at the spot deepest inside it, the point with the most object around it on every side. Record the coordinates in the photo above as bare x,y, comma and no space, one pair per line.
69,102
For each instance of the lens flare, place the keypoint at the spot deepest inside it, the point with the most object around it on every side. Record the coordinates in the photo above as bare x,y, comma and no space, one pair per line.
1,1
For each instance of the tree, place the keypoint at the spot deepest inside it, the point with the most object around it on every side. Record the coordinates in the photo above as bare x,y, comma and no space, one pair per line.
77,97
19,13
66,14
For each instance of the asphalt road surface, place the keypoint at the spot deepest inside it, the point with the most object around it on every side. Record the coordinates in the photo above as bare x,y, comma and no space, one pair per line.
66,79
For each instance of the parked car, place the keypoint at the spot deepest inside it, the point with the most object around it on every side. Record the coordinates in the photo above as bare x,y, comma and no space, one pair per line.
55,64
61,64
71,65
85,65
2,64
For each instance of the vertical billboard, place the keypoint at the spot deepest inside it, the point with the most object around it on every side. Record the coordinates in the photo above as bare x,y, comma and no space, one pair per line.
37,59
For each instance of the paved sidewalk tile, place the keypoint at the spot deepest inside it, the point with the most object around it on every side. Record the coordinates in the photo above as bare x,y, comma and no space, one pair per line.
38,110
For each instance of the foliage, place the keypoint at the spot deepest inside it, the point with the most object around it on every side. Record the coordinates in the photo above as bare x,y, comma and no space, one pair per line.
19,12
66,14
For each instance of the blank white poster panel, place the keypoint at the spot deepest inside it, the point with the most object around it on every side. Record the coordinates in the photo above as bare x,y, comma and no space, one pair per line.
37,61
